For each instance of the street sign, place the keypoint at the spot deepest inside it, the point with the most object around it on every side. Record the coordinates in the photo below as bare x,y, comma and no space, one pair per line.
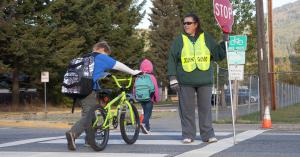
45,76
224,14
237,42
236,57
236,72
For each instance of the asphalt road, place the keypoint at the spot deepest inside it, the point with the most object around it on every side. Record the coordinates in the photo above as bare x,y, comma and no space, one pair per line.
164,141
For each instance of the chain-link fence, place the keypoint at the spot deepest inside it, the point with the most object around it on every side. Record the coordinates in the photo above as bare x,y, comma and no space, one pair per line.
248,94
287,93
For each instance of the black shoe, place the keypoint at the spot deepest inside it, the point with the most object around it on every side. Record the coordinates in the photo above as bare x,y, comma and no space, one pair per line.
71,140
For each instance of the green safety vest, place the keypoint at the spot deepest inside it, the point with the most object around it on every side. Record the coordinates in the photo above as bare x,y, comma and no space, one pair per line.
195,54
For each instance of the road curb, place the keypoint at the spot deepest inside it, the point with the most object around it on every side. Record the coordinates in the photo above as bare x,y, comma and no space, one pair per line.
35,124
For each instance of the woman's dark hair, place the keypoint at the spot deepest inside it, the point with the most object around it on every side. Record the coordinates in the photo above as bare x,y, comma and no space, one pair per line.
197,20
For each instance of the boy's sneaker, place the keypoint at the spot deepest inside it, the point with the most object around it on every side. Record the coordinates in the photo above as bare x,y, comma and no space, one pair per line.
187,140
71,140
212,140
86,144
144,129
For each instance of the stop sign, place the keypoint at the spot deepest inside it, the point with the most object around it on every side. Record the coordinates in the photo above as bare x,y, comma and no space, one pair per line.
224,14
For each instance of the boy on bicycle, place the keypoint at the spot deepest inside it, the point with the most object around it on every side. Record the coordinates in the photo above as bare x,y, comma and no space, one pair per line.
102,62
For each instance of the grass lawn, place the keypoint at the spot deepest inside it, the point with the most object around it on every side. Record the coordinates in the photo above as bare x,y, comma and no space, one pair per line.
287,115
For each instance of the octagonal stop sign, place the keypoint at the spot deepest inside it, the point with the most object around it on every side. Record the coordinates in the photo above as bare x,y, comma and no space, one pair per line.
224,15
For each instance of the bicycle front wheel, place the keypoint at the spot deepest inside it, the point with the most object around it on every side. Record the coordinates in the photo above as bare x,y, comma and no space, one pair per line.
129,130
97,136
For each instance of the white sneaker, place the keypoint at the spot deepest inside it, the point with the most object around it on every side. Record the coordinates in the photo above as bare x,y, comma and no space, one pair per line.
187,140
212,140
144,129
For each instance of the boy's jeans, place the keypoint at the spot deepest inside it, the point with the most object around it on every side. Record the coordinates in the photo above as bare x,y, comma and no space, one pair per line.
147,108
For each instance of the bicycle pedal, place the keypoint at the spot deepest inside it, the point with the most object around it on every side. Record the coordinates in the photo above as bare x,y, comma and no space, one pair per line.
115,121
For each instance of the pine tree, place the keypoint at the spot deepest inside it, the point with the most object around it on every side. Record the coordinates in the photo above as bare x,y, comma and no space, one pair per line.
44,35
166,25
78,25
245,23
204,10
23,43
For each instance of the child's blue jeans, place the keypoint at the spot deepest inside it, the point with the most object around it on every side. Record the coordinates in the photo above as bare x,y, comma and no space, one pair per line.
147,108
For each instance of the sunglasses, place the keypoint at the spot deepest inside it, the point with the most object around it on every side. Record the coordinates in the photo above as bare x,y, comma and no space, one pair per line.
188,23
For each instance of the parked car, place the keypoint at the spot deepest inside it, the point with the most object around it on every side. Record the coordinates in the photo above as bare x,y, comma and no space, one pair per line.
27,94
254,98
243,96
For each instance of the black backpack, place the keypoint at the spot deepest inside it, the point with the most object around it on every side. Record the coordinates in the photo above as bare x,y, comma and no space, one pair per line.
78,80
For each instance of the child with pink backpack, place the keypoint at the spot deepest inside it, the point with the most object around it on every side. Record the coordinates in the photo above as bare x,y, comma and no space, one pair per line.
146,101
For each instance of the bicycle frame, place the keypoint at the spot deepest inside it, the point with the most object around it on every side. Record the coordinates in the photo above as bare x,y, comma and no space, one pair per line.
123,103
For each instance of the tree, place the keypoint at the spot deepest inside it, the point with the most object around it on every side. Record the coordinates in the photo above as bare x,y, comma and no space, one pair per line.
23,41
204,9
165,26
44,35
295,65
297,46
245,23
78,25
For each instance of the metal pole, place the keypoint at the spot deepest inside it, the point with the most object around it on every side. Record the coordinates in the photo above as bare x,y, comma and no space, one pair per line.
249,99
45,94
232,112
258,100
214,93
217,107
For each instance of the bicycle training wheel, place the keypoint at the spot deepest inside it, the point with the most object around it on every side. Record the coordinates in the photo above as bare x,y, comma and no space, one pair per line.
97,136
129,131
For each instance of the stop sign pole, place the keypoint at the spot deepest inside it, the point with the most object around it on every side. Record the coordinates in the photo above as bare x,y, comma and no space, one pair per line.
223,12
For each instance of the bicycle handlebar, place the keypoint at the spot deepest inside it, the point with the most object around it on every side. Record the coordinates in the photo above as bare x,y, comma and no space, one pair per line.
117,80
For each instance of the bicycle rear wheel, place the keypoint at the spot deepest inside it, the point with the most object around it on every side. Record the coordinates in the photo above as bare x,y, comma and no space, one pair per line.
129,131
97,136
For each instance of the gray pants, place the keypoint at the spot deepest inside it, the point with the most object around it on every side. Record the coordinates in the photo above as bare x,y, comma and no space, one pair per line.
187,111
86,104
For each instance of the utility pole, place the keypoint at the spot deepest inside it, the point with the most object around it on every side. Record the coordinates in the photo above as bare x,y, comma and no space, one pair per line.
271,55
262,59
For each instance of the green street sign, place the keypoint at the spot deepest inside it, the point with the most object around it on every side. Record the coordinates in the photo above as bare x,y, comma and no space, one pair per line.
237,42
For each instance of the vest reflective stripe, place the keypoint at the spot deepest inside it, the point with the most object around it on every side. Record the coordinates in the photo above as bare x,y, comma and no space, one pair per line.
195,55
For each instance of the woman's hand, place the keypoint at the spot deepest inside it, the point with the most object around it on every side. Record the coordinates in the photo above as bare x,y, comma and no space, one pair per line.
174,83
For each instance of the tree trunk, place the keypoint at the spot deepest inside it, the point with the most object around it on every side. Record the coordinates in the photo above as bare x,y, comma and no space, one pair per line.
15,89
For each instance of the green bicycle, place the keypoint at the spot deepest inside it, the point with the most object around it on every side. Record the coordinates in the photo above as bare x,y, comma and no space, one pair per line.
104,117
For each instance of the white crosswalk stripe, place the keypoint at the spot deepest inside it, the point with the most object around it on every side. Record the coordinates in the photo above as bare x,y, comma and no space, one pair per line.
171,133
120,141
76,154
156,138
143,142
15,143
221,145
